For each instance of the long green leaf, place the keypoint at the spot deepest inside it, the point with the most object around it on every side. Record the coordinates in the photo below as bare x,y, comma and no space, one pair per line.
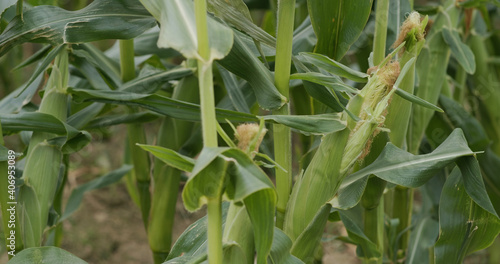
422,239
474,185
308,241
310,124
120,19
366,248
41,255
177,19
464,226
400,167
112,120
280,250
159,104
334,67
71,140
171,157
152,82
233,91
244,64
236,13
338,24
462,52
14,102
329,81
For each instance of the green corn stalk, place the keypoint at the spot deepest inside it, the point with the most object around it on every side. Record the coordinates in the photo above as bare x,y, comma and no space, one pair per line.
281,133
338,152
209,127
135,134
173,134
43,162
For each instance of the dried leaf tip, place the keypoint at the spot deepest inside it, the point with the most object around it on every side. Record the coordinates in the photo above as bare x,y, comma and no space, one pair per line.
412,31
249,135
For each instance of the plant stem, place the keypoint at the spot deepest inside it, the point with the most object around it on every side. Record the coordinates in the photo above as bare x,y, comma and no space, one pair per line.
127,65
282,134
379,42
403,211
215,231
205,77
209,126
461,77
136,134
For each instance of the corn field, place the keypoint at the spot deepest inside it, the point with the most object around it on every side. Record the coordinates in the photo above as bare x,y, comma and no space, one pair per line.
274,118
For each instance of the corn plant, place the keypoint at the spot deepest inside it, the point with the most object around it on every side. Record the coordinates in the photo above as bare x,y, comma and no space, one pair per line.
276,116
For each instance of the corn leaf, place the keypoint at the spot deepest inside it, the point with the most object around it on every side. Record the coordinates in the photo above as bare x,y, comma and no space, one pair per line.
108,68
121,19
400,167
308,241
462,52
42,53
233,91
474,185
422,239
244,64
76,196
473,130
113,120
71,139
177,19
237,14
310,124
44,64
321,93
304,39
477,3
366,248
170,157
45,255
338,24
159,104
334,67
152,82
194,240
464,226
329,81
14,102
280,250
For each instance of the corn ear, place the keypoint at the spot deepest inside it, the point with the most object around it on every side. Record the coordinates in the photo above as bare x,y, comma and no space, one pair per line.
43,160
339,151
41,175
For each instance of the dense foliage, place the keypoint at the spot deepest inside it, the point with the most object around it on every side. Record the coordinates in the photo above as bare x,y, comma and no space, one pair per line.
279,116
